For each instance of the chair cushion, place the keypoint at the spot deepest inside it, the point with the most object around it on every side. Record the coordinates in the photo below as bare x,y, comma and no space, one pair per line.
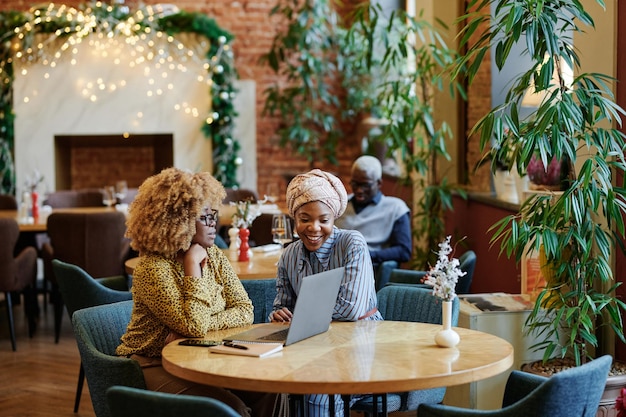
262,293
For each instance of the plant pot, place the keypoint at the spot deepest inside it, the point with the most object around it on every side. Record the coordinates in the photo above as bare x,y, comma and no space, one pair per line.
614,384
505,185
553,178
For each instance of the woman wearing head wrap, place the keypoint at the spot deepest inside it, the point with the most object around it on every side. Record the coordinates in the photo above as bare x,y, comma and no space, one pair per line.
183,286
315,200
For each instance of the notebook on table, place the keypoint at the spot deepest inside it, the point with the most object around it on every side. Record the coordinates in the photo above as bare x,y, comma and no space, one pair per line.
312,313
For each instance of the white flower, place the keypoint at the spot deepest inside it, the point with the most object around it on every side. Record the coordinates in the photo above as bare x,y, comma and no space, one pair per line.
33,181
246,213
444,276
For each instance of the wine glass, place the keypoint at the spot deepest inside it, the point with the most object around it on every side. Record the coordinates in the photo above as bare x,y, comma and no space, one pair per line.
121,188
281,229
108,196
271,193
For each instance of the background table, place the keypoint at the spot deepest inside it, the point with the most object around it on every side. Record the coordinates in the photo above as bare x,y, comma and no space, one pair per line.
351,358
262,265
40,225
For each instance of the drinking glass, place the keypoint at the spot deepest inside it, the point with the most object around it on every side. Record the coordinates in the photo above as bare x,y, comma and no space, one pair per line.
108,196
121,188
281,229
271,193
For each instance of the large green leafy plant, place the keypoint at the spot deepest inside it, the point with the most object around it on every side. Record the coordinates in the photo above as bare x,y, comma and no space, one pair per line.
414,62
304,55
387,67
578,229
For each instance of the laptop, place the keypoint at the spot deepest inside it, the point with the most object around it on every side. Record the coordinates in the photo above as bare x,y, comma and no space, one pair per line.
312,313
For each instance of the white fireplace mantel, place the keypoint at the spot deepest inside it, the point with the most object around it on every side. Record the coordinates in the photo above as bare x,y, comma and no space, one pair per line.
58,101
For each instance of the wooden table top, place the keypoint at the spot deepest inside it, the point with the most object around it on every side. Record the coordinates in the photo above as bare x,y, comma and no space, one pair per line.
40,225
351,358
262,265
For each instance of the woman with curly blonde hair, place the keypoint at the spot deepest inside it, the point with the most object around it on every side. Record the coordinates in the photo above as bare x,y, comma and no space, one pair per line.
183,285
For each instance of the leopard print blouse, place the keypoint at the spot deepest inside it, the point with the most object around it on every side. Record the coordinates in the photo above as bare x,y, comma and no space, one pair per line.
166,300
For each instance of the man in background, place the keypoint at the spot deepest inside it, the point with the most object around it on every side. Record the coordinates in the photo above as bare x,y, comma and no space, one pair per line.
384,221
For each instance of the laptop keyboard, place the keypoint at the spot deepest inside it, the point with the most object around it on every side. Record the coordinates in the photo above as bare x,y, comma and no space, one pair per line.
279,335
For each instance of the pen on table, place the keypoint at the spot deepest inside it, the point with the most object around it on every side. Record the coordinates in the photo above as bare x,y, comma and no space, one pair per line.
233,345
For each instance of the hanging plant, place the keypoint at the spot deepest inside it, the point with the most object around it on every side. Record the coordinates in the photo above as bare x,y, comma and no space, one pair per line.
20,37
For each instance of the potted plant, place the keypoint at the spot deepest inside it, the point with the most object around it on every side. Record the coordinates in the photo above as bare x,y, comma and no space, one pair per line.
306,99
548,177
579,228
358,67
413,62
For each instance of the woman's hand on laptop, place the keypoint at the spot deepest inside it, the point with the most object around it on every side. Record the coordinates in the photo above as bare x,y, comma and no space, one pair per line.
281,316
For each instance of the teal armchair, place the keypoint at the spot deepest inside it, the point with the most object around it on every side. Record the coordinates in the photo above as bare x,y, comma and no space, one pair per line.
574,392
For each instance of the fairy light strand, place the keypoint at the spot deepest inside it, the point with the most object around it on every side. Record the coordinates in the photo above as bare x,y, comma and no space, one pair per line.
49,35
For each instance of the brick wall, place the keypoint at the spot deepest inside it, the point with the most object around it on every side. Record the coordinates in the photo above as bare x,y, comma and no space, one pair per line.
249,21
107,165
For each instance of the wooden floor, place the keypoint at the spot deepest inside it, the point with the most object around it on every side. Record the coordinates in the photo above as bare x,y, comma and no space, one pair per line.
39,379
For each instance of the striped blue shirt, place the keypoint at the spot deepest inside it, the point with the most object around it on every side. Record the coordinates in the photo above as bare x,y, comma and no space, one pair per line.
347,248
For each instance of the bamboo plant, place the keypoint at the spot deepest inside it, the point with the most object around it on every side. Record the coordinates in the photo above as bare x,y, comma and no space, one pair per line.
388,67
578,229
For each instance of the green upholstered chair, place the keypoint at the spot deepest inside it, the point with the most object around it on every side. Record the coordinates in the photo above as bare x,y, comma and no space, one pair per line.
80,290
467,264
262,293
98,331
573,392
416,304
133,402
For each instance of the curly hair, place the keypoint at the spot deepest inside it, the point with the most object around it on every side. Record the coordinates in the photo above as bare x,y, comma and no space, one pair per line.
162,218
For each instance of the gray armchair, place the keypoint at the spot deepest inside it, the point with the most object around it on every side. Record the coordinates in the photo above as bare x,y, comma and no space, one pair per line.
574,392
8,202
133,402
18,274
98,331
88,197
416,304
80,290
94,241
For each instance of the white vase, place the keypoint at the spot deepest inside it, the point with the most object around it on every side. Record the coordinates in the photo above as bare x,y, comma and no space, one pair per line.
446,337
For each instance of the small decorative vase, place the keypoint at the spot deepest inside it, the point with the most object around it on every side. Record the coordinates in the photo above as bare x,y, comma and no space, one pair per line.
34,196
446,337
244,234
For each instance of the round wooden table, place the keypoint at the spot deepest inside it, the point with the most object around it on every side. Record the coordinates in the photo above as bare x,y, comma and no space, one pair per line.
351,358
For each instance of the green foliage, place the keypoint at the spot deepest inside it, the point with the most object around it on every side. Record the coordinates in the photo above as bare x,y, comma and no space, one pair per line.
304,55
219,125
579,228
408,74
330,73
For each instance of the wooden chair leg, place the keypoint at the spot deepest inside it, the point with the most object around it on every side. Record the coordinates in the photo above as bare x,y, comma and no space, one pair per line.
79,387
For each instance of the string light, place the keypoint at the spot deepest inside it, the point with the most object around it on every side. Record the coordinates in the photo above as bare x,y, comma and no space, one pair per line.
136,37
53,34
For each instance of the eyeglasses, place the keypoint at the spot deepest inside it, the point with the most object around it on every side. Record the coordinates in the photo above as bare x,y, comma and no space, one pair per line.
210,218
362,185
